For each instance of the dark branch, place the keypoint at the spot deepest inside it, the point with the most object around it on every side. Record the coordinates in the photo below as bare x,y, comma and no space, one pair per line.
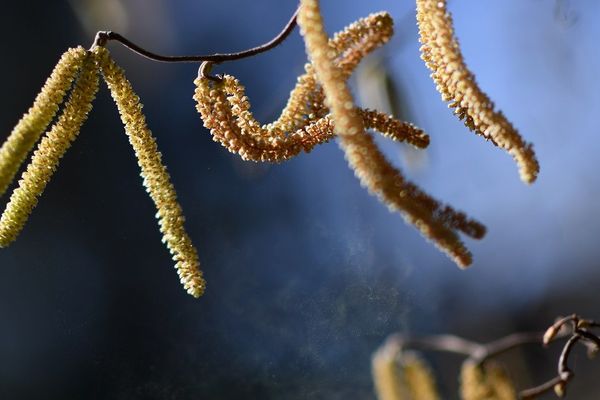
103,37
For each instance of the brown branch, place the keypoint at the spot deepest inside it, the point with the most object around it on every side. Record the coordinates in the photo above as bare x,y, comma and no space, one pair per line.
476,352
579,333
559,382
103,37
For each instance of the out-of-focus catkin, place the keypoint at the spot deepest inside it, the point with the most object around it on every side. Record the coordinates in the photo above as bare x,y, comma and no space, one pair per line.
386,372
418,378
456,83
435,221
154,174
402,375
485,382
50,150
33,123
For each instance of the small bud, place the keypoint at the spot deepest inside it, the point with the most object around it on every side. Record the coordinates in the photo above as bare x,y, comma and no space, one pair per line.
550,334
560,389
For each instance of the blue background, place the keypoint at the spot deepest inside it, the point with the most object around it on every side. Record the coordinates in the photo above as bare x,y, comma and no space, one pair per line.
307,273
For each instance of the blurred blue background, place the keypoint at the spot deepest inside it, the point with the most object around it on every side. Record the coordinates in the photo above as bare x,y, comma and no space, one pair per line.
307,273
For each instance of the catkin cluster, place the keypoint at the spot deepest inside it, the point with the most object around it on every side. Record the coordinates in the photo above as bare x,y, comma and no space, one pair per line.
154,174
83,67
311,118
437,222
29,129
457,85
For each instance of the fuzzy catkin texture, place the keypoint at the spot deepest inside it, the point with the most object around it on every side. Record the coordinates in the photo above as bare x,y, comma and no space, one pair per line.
307,101
51,149
303,123
33,123
456,83
435,221
486,382
155,176
225,110
337,95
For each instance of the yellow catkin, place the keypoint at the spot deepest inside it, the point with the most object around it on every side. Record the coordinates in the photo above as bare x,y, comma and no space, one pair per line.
221,104
435,221
418,378
31,126
400,375
386,372
154,174
486,382
286,136
51,149
441,53
351,45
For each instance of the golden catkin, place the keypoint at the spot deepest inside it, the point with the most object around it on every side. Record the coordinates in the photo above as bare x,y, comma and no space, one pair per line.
435,221
386,372
338,98
441,53
51,149
222,105
31,126
418,378
485,382
305,110
154,174
351,45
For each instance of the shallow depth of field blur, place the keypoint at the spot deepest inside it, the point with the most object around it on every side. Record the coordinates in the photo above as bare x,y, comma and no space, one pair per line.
307,273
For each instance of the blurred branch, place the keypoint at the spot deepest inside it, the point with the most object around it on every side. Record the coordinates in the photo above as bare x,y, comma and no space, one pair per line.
574,327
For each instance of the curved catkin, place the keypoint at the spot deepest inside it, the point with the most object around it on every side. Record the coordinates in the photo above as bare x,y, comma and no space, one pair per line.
435,221
31,126
485,382
351,45
305,110
441,53
155,176
225,110
51,149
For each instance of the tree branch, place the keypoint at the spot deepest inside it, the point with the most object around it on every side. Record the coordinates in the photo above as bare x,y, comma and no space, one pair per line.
103,37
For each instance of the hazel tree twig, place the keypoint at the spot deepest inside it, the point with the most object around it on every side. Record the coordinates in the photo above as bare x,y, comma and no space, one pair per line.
102,37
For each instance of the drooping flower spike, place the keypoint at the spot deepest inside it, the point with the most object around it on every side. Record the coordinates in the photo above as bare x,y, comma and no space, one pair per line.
50,150
456,83
155,176
221,103
435,221
31,126
300,125
53,146
402,375
351,45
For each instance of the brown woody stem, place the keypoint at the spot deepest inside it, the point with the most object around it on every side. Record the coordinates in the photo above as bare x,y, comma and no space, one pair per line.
103,37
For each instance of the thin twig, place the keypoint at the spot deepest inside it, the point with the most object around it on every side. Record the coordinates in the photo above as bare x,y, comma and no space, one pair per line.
559,382
103,37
